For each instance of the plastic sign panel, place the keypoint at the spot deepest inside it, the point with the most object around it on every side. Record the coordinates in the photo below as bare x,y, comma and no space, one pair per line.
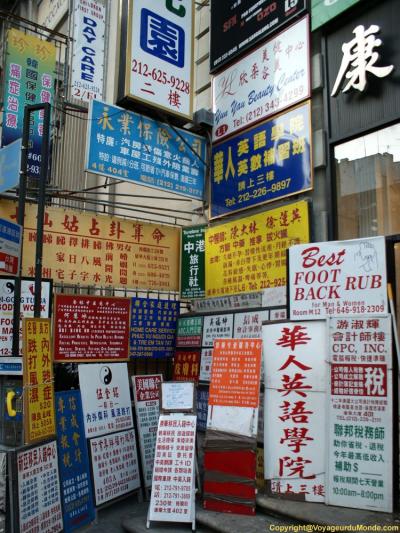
39,499
237,301
360,434
106,399
159,65
186,365
322,11
271,78
249,254
115,465
10,247
39,415
125,145
189,331
265,163
177,396
249,325
91,328
294,398
338,278
89,34
202,408
206,364
217,327
236,26
73,460
192,262
10,165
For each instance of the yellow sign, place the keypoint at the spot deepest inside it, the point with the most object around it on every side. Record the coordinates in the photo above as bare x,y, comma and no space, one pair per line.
249,254
89,249
38,381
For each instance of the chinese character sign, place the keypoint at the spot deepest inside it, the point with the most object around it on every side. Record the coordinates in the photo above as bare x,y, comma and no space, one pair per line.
189,331
39,490
295,395
249,254
73,459
10,247
125,145
202,408
217,327
261,164
249,325
338,278
360,418
91,328
160,53
29,79
39,416
106,399
192,262
153,325
186,365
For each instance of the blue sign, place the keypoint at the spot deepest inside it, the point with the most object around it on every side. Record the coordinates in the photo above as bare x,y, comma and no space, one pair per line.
10,164
202,408
126,145
76,486
11,366
153,326
264,163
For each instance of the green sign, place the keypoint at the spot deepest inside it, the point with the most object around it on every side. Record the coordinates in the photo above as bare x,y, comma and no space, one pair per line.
189,331
322,11
192,262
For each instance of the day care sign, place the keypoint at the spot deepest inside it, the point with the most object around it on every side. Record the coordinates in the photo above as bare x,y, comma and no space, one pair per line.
338,278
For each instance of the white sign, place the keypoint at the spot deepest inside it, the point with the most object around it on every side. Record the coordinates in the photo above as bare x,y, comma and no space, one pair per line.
177,395
278,314
271,78
115,465
337,278
227,303
217,327
146,393
360,467
295,391
159,71
50,12
173,488
87,71
237,420
106,400
249,325
39,490
205,364
27,304
10,246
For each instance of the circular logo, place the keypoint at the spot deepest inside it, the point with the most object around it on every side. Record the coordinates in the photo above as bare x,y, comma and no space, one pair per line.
105,375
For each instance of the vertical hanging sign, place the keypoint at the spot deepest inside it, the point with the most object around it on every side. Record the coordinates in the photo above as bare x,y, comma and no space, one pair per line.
193,262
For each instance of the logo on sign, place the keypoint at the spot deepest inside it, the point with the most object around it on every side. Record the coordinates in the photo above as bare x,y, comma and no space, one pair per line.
105,375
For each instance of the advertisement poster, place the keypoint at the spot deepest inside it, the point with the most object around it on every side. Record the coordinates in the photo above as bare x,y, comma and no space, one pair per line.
192,263
73,460
249,254
106,399
249,325
186,365
38,380
39,490
10,247
7,286
124,145
265,163
28,79
176,437
95,250
159,70
91,328
276,75
152,328
189,331
217,327
338,278
115,465
89,34
360,465
146,394
295,361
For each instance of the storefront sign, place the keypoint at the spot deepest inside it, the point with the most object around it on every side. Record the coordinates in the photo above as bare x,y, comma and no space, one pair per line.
338,278
10,247
189,331
86,249
295,392
50,12
228,303
249,254
159,62
177,396
271,78
7,286
192,262
217,327
76,486
360,467
39,499
153,327
265,163
236,26
146,395
39,416
202,408
89,29
176,439
10,165
235,373
29,79
106,399
249,325
186,365
322,11
91,328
